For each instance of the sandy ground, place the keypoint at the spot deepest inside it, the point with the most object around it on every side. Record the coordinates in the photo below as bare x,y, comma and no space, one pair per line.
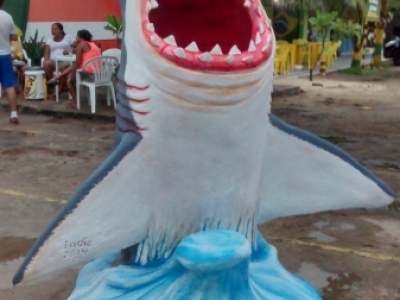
352,254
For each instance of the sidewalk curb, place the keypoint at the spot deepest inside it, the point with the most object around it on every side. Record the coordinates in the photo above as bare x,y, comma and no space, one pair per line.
26,109
31,108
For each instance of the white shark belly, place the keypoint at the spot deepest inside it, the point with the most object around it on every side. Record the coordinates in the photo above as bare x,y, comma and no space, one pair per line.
206,181
176,181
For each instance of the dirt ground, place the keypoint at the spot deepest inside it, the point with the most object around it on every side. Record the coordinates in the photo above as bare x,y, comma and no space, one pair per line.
352,254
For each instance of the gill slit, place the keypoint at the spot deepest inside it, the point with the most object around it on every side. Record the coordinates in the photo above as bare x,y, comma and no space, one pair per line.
127,108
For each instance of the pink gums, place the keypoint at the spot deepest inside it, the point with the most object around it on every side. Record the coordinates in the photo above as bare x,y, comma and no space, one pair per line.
253,25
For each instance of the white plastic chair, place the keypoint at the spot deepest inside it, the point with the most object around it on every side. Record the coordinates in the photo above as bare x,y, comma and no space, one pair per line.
103,68
25,56
117,54
56,87
113,52
28,60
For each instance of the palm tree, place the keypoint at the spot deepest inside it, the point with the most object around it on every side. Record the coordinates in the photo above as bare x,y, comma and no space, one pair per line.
356,10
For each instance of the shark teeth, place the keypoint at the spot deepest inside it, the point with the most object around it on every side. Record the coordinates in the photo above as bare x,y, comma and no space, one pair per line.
216,50
179,52
150,27
206,57
154,4
268,23
261,28
248,59
258,38
259,47
252,47
170,40
230,59
235,50
265,49
192,47
155,40
148,7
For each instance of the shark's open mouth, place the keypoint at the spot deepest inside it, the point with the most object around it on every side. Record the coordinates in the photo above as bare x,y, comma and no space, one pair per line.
220,35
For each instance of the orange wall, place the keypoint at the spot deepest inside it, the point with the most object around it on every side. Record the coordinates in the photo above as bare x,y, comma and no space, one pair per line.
72,10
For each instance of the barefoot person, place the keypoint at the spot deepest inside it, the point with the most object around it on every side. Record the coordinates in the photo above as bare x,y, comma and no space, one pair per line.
59,44
7,76
85,50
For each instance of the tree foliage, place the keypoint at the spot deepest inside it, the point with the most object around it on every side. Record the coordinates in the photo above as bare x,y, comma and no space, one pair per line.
114,25
324,23
354,10
346,30
388,9
309,5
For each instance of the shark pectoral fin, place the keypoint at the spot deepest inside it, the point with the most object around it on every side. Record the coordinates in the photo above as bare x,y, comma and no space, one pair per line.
303,174
101,217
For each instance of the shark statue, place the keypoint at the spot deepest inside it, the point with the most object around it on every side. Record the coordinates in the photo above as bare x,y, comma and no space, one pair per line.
197,147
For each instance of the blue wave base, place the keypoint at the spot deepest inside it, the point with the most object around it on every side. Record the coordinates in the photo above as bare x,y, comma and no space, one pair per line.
206,265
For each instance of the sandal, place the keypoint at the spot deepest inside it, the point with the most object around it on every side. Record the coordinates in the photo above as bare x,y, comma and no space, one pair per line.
52,83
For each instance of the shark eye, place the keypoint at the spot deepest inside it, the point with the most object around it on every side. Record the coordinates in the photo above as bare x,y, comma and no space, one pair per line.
209,34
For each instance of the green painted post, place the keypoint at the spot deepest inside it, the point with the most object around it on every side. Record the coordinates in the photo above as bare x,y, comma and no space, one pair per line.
303,23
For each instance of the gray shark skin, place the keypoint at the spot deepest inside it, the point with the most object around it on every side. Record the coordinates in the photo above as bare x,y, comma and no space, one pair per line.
195,150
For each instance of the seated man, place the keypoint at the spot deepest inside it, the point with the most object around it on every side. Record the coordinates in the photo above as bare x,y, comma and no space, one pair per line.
85,51
19,70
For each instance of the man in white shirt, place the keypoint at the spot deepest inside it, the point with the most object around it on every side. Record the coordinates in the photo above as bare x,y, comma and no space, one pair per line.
7,75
